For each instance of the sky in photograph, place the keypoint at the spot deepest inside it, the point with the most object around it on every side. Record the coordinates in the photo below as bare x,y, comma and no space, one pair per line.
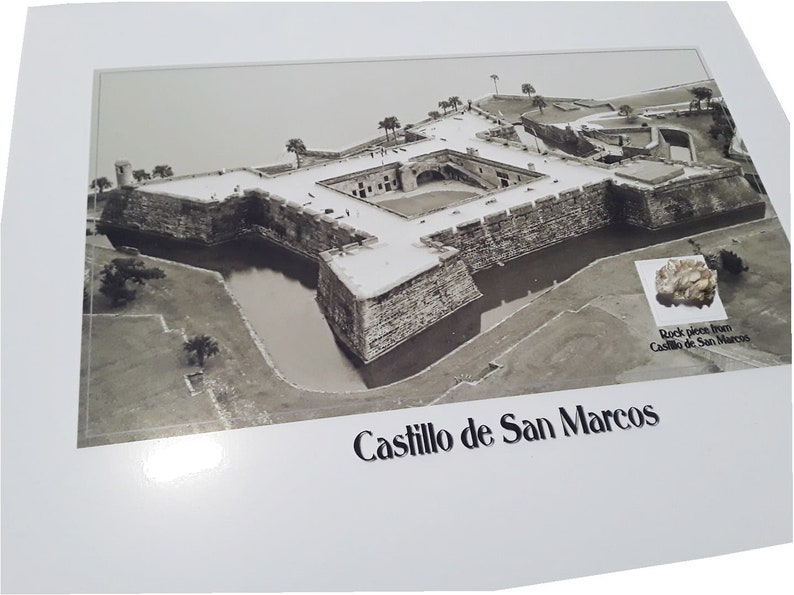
204,118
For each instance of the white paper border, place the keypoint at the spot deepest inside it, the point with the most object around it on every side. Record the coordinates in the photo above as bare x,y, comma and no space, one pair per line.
713,577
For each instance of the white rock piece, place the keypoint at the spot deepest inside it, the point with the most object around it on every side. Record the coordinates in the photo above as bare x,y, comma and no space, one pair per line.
686,282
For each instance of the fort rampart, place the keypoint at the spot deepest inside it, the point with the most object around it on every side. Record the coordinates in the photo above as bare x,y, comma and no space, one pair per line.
531,226
371,325
697,197
553,219
289,224
174,216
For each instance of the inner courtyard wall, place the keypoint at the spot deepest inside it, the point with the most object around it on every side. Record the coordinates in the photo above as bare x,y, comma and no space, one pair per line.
367,183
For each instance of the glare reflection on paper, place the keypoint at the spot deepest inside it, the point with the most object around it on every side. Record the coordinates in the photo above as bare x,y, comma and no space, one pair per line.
172,461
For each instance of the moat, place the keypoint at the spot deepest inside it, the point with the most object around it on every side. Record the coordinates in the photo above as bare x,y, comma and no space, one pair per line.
276,290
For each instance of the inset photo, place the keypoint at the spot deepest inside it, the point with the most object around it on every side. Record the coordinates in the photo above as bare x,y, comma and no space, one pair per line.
681,290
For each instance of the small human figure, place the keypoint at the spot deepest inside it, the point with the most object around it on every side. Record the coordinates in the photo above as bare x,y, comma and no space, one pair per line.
347,212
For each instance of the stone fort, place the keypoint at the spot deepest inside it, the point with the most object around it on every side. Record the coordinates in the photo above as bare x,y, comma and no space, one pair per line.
398,231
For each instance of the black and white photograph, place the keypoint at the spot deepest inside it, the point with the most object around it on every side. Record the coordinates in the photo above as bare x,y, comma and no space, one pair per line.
278,242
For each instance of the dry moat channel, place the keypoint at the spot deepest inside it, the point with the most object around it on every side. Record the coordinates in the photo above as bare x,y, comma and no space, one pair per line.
276,290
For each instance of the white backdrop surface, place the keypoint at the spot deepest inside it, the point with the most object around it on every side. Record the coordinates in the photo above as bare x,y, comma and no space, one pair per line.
290,507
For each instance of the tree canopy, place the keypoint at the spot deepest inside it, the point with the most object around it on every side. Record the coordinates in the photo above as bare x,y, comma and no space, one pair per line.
297,146
392,123
141,174
114,278
162,171
101,184
539,102
702,93
528,89
199,348
723,125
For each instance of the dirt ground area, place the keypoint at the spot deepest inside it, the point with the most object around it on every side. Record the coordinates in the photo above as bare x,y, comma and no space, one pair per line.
413,206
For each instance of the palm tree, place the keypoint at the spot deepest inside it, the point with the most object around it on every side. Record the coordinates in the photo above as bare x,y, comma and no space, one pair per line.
444,104
384,125
528,89
702,93
495,77
454,102
101,184
297,146
141,174
162,171
435,115
393,124
539,102
199,348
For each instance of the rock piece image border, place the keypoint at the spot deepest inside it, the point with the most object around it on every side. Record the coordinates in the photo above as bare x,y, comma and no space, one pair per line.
680,314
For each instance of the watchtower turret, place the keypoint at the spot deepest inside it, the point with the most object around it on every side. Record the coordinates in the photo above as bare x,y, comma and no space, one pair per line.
123,173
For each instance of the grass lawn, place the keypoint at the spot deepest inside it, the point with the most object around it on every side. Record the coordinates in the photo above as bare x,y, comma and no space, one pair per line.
137,370
421,204
664,96
120,397
513,108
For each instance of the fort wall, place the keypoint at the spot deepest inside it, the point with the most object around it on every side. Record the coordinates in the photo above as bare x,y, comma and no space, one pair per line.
701,196
289,224
175,216
371,326
370,182
296,227
549,131
529,227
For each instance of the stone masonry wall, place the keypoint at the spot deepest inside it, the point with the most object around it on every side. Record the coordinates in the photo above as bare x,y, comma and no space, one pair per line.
340,307
174,216
704,196
415,305
529,227
681,201
367,183
371,327
552,219
298,228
